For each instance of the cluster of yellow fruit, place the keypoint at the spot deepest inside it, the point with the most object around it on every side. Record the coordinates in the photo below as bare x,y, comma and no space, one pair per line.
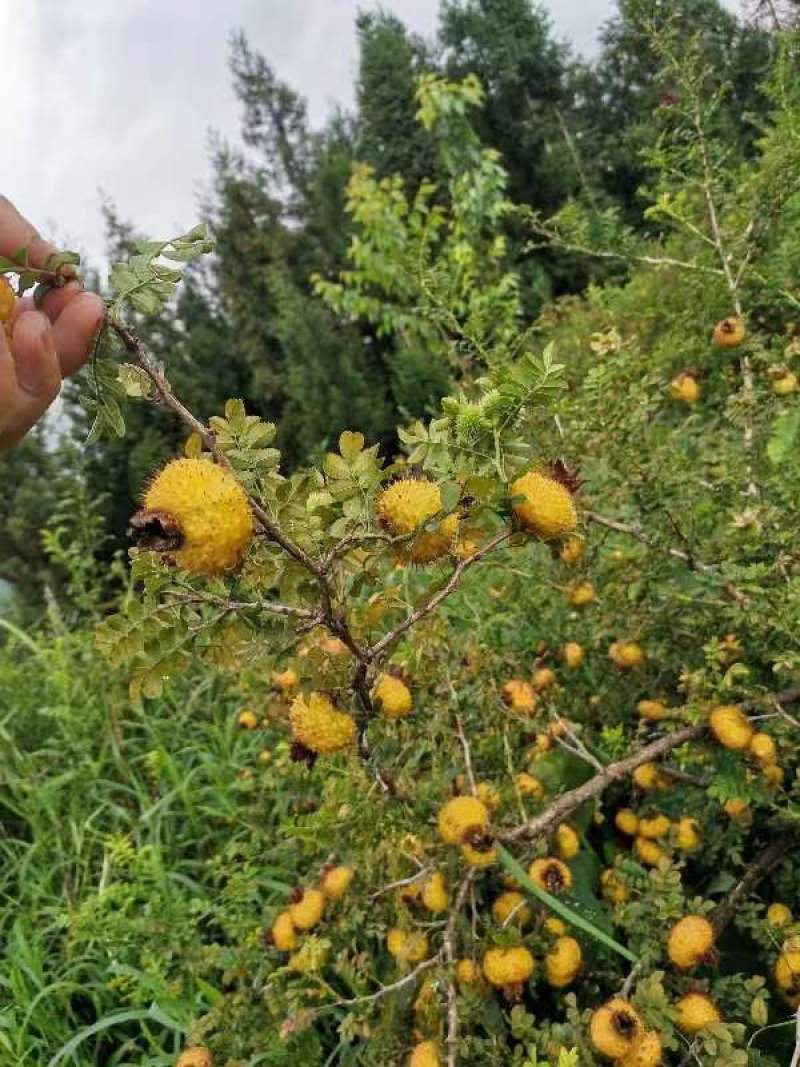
523,697
650,833
307,908
685,387
735,731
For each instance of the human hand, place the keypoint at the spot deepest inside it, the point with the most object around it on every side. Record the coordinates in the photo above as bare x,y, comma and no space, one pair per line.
46,344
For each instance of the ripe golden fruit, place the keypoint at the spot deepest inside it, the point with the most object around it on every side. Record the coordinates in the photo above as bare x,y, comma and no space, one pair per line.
563,962
434,893
566,842
247,720
785,385
318,725
646,1052
731,727
543,678
649,777
615,1029
773,776
762,749
614,889
520,696
728,333
197,514
736,808
787,971
581,595
571,551
572,654
511,903
467,973
336,882
461,818
265,756
408,503
431,545
648,852
333,646
686,388
198,1055
529,786
687,835
626,654
555,926
507,966
407,947
696,1011
393,695
284,679
479,855
308,909
652,710
691,941
8,300
489,795
778,915
548,510
550,874
627,822
654,827
284,933
425,1054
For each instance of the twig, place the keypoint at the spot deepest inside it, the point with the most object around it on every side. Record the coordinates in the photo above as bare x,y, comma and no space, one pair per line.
244,605
633,974
449,957
467,754
796,1053
399,884
757,869
386,990
563,806
636,532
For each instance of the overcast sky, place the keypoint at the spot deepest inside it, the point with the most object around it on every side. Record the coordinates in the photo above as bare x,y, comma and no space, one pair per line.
119,95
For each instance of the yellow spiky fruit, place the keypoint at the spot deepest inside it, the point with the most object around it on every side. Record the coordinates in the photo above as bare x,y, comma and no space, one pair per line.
432,545
646,1052
773,777
735,808
308,909
425,1054
434,893
407,947
654,826
563,962
566,842
729,332
511,905
685,388
551,874
489,795
626,654
197,1056
787,971
318,725
247,719
8,300
785,384
548,509
336,881
285,679
555,926
572,655
615,1029
394,697
480,855
544,678
529,786
691,942
652,710
284,933
648,852
571,551
197,514
627,822
520,696
687,835
461,818
731,727
778,915
696,1011
763,750
581,595
508,966
408,503
649,778
467,973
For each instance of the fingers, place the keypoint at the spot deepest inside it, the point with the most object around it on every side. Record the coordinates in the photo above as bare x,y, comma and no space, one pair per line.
30,379
16,233
74,329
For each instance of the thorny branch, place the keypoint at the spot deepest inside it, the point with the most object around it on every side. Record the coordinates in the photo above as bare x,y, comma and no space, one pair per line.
757,869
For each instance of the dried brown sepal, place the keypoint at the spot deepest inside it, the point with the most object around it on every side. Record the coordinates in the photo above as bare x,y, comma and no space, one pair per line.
568,477
156,531
300,754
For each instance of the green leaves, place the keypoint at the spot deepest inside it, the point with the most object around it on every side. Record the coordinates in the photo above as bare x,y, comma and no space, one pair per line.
784,436
146,281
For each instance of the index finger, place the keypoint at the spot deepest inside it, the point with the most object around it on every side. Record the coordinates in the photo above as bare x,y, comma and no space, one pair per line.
17,233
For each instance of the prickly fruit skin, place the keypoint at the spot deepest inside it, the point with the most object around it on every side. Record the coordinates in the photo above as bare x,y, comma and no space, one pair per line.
778,915
731,727
431,545
687,836
318,725
394,697
467,973
626,654
551,874
198,515
511,904
247,720
284,933
696,1011
614,889
563,962
785,385
648,852
762,749
686,388
475,856
566,842
691,942
787,971
520,696
652,710
544,678
529,786
548,510
728,333
581,595
308,910
615,1029
434,893
406,947
507,966
654,827
425,1054
645,1053
649,777
284,679
406,504
336,882
572,654
627,822
461,817
8,300
571,551
198,1056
